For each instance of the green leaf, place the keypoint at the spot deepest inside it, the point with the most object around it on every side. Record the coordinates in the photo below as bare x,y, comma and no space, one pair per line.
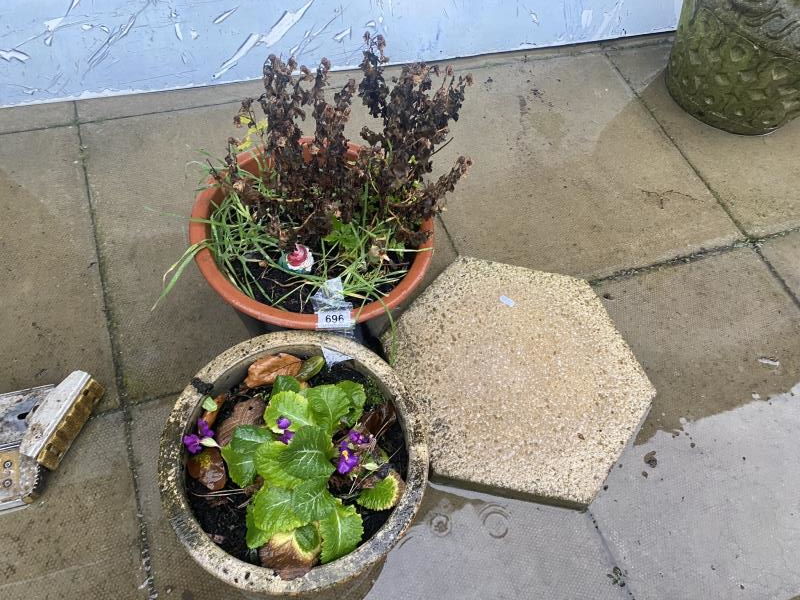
239,454
344,235
272,511
384,495
268,465
341,532
255,537
356,396
291,405
307,537
285,383
309,453
311,499
329,404
209,404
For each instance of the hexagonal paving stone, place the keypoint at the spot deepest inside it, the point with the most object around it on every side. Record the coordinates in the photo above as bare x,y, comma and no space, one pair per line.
532,390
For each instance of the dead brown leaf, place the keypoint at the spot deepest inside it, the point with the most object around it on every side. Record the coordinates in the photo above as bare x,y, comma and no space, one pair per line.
208,468
246,412
266,369
283,554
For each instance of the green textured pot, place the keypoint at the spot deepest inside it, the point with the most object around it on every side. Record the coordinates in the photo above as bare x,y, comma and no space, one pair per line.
736,63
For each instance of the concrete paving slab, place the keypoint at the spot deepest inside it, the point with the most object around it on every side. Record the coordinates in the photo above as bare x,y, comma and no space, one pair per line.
783,253
52,315
756,176
717,517
571,174
141,162
98,109
531,388
474,546
38,116
710,335
80,540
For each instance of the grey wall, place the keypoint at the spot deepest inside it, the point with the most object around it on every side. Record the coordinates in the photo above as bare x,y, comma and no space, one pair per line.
59,49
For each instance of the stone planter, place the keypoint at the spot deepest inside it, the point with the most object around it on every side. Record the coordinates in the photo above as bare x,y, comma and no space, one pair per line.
335,577
736,63
199,231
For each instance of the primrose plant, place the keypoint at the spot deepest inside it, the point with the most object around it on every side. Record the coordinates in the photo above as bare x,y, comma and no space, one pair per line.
313,462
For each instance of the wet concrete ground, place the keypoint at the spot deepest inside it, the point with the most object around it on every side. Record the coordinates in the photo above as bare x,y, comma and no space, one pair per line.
583,165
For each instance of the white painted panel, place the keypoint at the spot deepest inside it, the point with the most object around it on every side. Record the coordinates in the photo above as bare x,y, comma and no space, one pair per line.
60,49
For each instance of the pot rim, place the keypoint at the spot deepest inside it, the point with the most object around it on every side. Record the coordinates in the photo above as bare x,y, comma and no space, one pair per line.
256,579
208,266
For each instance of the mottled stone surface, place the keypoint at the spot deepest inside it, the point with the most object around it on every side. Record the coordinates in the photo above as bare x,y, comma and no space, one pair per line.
537,398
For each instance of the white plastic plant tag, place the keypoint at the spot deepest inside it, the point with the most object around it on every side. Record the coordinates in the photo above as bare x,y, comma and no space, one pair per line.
332,356
334,319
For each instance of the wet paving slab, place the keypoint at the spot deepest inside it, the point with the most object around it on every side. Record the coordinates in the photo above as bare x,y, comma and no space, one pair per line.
783,253
571,174
142,182
704,504
711,511
709,334
476,546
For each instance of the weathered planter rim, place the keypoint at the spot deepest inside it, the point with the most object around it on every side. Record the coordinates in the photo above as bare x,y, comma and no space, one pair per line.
199,231
259,580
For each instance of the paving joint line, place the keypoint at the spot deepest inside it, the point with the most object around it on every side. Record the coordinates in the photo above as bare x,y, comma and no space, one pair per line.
607,547
712,191
778,276
565,51
144,545
671,262
751,240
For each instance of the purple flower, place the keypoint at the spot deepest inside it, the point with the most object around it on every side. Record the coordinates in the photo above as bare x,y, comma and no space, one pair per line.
286,437
357,437
283,423
203,429
347,462
344,445
192,443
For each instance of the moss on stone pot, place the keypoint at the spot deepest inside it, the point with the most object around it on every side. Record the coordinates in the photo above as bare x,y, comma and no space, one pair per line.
226,371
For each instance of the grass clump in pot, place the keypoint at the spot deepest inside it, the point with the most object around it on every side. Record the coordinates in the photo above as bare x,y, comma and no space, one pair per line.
296,466
318,210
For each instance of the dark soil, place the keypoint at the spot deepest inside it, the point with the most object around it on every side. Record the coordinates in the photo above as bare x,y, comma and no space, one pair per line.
222,515
277,283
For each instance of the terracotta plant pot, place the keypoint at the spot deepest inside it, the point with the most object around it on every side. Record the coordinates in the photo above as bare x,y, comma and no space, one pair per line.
352,570
203,206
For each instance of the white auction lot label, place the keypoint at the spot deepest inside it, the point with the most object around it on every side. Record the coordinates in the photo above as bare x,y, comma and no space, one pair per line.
334,319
